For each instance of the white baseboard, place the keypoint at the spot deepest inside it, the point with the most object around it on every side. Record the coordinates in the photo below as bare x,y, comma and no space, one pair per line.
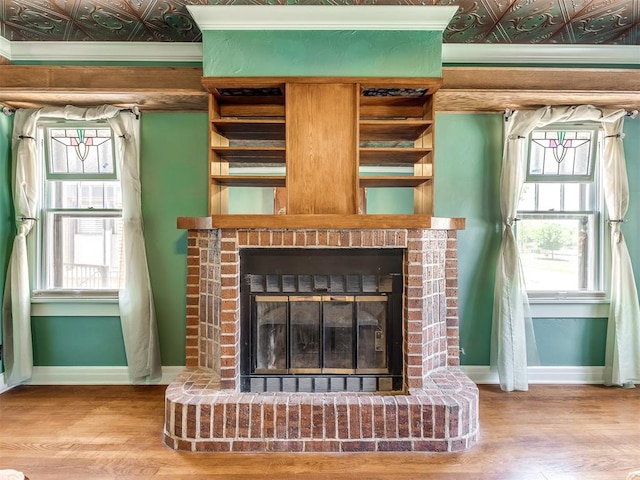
482,374
3,386
93,375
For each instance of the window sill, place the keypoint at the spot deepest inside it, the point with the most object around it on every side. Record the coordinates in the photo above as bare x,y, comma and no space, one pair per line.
75,305
569,308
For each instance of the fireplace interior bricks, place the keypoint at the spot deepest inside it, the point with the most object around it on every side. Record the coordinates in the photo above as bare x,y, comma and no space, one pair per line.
322,327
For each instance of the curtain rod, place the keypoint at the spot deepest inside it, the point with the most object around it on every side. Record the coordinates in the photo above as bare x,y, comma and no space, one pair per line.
633,114
8,111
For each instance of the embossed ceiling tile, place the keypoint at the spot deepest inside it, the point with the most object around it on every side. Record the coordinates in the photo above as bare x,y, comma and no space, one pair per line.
168,21
33,20
530,21
603,21
104,20
474,20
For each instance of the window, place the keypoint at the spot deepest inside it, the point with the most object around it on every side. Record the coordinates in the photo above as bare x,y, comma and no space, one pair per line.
80,243
560,228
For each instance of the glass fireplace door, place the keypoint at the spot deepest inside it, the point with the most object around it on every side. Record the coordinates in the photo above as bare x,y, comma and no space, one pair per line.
321,334
271,334
305,334
337,313
371,318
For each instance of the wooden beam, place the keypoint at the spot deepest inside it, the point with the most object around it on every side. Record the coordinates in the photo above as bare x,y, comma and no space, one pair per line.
492,89
150,88
464,89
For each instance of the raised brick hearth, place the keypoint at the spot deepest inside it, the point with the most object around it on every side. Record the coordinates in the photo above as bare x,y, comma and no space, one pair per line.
437,411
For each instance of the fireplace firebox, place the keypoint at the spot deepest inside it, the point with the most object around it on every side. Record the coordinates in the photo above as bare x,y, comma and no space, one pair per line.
325,320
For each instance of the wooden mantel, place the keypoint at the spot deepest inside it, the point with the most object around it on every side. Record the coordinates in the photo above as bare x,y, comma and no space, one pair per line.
343,222
465,89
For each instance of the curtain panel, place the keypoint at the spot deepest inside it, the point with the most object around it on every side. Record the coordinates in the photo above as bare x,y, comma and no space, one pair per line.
513,344
137,314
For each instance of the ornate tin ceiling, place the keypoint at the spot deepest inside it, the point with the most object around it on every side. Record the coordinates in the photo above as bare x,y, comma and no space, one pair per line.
477,21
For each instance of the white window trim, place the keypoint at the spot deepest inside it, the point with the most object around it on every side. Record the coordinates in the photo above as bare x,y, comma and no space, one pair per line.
577,304
80,306
568,308
64,303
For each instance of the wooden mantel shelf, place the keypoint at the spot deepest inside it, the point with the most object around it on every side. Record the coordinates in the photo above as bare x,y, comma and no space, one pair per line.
356,222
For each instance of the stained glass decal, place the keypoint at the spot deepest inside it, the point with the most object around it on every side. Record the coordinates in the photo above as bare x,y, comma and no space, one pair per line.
556,154
80,152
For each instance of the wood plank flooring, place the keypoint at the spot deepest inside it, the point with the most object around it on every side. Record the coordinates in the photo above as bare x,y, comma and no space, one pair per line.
114,433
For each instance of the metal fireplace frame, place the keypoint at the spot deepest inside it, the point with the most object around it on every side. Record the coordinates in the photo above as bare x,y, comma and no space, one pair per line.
325,276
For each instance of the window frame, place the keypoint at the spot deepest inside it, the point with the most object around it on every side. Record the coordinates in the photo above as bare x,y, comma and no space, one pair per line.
52,301
576,300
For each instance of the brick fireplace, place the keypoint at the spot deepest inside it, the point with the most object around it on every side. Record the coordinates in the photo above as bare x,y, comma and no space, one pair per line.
436,408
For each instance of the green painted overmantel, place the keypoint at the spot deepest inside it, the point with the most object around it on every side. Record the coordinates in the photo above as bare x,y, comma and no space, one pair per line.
322,53
327,40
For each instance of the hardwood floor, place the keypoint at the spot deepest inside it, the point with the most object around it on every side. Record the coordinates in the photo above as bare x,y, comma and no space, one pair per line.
114,432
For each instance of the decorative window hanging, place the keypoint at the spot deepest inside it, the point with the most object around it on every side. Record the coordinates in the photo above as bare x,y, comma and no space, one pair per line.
562,155
80,152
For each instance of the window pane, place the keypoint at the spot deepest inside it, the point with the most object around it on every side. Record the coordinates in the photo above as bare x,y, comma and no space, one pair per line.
83,252
528,197
558,252
549,197
74,194
561,152
79,151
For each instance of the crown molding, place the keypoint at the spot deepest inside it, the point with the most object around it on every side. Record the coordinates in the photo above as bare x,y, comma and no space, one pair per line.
106,51
5,48
452,53
322,17
537,54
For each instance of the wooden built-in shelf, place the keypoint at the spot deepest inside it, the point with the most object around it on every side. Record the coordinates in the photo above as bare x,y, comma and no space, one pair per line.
414,181
393,156
254,129
392,130
321,129
249,180
251,154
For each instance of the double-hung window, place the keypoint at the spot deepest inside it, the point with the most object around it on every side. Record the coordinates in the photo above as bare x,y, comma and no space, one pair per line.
560,231
80,243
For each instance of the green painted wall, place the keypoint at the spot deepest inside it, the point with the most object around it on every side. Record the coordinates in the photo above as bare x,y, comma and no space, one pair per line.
467,176
240,53
6,205
174,174
77,341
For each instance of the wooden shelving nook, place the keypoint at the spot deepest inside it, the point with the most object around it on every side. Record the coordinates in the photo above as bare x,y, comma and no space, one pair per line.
321,130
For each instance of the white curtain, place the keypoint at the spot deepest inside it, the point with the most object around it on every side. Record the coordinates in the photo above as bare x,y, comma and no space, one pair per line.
513,344
16,309
136,301
622,356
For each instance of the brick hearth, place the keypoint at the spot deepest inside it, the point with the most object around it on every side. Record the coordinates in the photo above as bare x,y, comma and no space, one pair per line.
205,410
